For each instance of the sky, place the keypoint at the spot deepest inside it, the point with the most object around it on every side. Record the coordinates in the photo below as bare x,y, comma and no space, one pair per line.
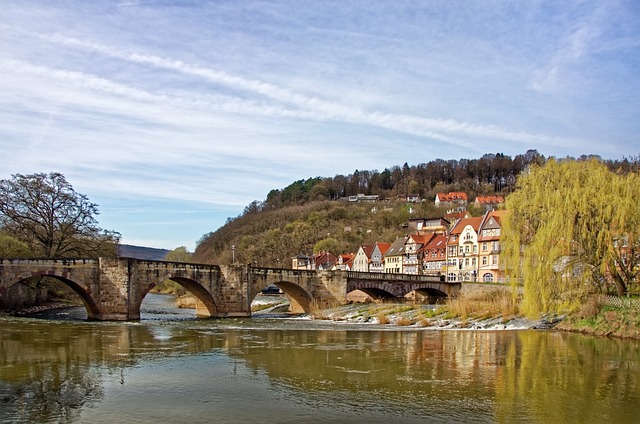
173,116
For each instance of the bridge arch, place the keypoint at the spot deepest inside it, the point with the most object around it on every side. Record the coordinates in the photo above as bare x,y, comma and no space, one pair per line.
429,295
93,311
377,294
299,300
205,303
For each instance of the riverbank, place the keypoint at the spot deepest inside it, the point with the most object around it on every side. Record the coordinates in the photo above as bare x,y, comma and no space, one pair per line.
426,316
600,317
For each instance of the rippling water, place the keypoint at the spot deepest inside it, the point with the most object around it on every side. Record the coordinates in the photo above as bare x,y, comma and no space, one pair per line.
173,368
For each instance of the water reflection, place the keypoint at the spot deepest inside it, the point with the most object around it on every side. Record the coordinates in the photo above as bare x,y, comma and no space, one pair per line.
286,371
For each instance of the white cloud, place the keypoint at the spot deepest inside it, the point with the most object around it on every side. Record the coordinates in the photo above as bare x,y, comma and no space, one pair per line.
213,104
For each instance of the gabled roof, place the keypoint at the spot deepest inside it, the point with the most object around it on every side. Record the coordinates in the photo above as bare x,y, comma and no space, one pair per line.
397,247
462,223
437,242
452,196
383,247
367,249
421,238
345,257
489,200
492,219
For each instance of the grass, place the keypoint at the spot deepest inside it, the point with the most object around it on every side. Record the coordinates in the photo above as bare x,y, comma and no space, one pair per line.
482,305
598,319
383,318
466,308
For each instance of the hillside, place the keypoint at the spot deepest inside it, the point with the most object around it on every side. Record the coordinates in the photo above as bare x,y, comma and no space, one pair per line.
140,252
315,214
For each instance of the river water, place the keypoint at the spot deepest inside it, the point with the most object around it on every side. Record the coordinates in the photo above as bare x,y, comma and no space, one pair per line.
172,368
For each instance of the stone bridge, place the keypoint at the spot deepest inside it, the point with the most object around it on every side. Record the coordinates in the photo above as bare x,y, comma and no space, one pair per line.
114,288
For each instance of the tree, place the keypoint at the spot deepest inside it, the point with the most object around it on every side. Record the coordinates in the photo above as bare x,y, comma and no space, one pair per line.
12,248
328,244
46,213
179,254
572,230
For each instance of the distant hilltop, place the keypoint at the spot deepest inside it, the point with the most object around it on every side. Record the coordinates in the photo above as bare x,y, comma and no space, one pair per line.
140,252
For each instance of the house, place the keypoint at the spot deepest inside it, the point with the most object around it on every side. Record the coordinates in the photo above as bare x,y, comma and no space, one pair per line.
434,255
412,258
452,198
343,262
377,256
489,202
457,213
362,258
489,267
364,198
428,225
302,261
324,260
394,256
462,250
413,198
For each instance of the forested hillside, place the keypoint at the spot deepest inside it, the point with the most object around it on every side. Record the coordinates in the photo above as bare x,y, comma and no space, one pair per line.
311,215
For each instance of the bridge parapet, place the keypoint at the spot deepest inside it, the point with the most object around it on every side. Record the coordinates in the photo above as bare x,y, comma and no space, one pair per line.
379,276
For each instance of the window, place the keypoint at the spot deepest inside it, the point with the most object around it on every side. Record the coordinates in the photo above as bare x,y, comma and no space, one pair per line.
487,278
485,247
484,261
494,260
451,276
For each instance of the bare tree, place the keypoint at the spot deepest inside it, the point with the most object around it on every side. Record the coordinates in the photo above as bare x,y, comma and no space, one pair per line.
45,212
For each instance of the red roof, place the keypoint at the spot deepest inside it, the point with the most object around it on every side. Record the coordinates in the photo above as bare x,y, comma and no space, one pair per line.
452,196
383,247
489,200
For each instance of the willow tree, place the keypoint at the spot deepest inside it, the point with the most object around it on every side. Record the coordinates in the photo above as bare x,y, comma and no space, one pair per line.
572,229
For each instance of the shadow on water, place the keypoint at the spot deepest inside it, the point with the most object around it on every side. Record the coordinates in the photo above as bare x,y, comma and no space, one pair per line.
163,307
155,307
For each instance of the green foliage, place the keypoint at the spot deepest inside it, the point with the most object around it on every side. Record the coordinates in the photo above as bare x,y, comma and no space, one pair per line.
563,236
13,248
329,244
179,254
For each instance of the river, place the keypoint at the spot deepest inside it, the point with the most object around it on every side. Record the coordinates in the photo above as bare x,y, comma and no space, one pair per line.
173,368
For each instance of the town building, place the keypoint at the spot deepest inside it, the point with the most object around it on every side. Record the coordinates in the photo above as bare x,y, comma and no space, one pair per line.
393,258
453,198
362,258
489,266
434,255
377,256
412,258
489,203
462,250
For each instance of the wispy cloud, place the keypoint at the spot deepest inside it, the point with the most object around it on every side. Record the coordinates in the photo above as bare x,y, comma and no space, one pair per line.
209,105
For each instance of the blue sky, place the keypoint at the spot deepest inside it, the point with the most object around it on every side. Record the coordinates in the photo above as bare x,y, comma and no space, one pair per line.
173,116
